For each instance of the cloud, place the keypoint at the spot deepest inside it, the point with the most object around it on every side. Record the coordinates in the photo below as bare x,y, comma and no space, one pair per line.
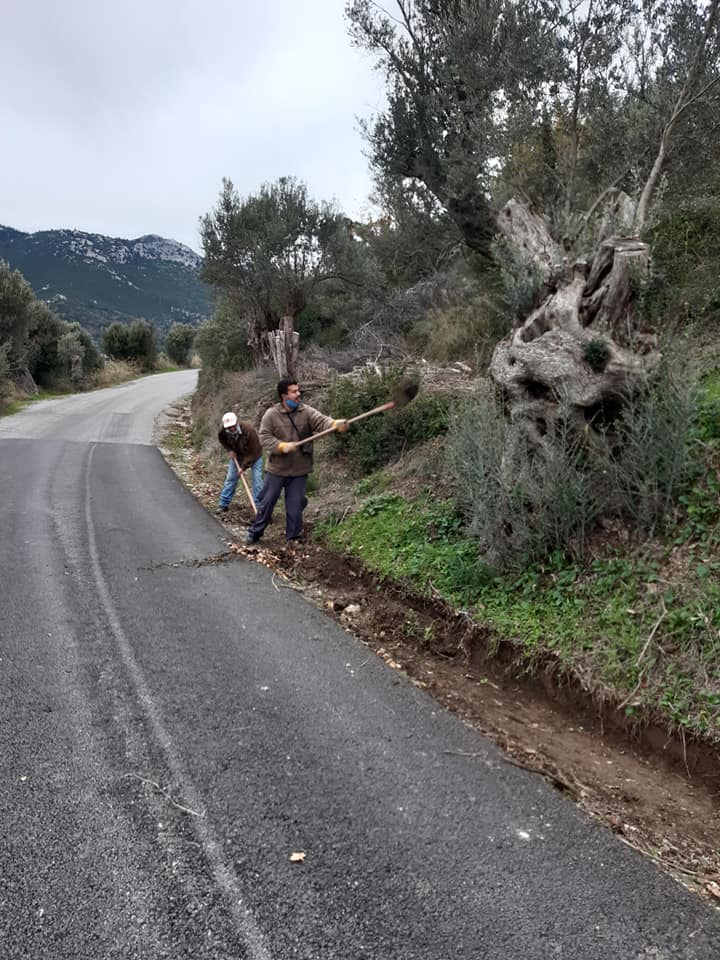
124,119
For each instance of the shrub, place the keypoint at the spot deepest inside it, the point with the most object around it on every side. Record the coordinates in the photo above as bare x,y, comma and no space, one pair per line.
136,341
596,353
17,302
200,430
142,343
650,462
464,331
115,341
179,342
381,439
6,387
521,502
521,279
222,342
684,284
707,419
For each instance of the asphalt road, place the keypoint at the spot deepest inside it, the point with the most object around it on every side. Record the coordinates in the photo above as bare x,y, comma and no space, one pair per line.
173,728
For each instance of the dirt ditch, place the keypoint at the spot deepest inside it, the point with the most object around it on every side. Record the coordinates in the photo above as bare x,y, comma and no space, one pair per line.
659,795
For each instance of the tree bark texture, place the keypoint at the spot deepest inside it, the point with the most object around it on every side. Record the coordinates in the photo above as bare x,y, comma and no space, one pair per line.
24,381
687,96
530,237
579,355
284,345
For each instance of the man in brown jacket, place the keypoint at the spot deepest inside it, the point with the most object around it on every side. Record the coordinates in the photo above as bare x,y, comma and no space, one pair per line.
288,460
242,443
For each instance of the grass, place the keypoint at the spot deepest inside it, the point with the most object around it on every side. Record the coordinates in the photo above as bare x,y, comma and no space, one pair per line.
112,374
19,402
175,438
637,627
634,629
415,543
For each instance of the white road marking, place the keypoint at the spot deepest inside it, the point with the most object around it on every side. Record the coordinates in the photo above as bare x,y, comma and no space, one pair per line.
223,874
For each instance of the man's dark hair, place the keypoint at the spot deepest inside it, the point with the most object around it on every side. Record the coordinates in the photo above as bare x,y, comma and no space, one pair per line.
284,386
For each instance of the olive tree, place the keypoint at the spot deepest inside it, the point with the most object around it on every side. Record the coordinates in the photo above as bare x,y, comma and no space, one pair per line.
179,342
553,125
268,253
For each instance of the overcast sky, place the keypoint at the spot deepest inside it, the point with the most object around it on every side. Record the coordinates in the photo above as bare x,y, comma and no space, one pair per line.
122,117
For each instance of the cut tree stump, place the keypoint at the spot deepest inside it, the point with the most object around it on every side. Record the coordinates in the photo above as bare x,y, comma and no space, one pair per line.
284,345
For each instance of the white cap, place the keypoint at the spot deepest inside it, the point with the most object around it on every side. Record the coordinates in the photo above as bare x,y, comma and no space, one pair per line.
229,420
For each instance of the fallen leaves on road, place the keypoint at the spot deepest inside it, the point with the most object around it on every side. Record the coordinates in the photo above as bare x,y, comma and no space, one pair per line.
298,857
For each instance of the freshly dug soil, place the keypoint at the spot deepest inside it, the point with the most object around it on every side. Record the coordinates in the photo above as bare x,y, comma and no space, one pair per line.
660,796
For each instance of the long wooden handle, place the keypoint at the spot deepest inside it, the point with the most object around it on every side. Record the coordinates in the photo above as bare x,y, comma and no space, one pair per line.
249,494
360,416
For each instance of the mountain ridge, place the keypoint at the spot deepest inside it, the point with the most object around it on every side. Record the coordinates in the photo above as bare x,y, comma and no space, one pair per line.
96,279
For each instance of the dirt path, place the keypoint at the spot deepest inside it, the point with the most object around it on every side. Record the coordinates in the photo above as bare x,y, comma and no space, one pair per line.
659,799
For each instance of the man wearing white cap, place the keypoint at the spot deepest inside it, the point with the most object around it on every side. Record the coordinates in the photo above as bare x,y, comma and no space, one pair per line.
242,443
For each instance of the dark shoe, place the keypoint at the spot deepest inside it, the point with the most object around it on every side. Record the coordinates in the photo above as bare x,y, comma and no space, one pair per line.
222,509
251,538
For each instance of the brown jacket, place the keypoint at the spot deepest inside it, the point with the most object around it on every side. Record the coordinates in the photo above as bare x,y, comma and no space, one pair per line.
279,425
245,444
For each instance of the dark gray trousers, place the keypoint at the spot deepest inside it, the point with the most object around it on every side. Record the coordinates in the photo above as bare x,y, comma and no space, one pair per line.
295,503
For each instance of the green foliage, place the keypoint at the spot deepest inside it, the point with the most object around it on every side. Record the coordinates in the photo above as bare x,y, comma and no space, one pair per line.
270,252
701,505
551,502
521,280
317,324
16,305
685,281
115,341
707,422
415,542
43,335
6,389
223,343
313,485
650,462
596,353
593,621
377,482
200,428
559,490
63,352
92,358
414,238
584,94
135,341
701,502
36,341
142,343
382,438
467,331
70,353
179,342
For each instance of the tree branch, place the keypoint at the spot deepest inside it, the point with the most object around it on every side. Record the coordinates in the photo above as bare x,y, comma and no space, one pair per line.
681,104
585,218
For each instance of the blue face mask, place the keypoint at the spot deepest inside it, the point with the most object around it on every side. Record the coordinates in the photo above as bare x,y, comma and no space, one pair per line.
292,404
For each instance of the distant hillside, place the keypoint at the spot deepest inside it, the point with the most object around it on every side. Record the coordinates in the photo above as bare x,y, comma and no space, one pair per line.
95,279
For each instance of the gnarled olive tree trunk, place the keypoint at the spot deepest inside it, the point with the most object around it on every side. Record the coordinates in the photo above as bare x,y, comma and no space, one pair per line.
580,355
